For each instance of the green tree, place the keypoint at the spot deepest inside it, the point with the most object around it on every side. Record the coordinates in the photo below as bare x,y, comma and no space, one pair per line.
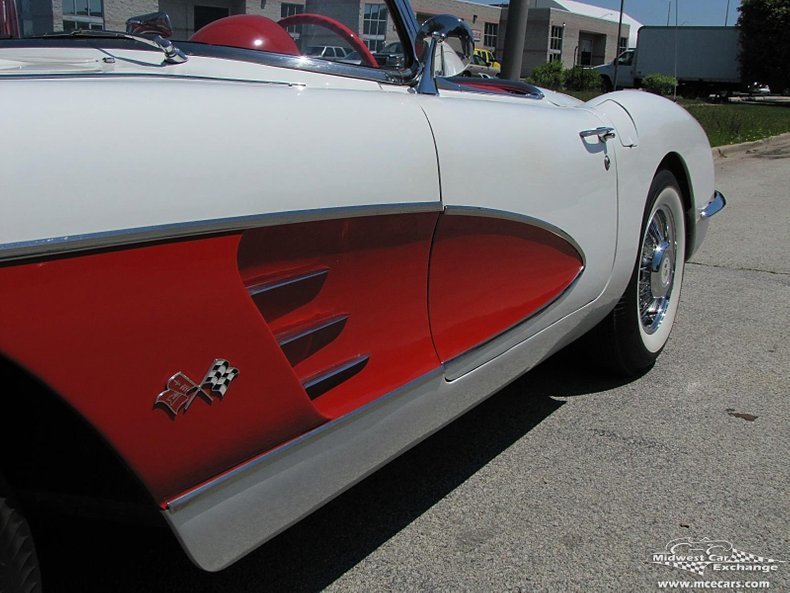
765,42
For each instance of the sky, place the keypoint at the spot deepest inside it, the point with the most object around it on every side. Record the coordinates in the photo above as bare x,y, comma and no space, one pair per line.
654,12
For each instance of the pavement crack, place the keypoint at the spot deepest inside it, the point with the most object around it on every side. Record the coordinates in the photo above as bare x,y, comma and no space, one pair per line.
737,269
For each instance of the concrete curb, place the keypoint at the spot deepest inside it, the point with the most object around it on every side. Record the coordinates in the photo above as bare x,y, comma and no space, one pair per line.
722,152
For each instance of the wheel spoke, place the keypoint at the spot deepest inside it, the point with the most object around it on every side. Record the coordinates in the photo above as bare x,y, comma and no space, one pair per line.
660,232
654,232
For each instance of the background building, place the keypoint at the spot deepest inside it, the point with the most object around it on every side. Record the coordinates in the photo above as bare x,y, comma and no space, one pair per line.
573,33
486,21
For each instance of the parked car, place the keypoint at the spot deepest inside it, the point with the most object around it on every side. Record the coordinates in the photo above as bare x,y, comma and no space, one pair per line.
488,58
478,67
391,54
327,52
204,316
758,88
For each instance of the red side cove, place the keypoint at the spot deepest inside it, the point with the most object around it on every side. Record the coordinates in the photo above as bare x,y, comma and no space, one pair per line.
123,322
487,274
346,301
320,318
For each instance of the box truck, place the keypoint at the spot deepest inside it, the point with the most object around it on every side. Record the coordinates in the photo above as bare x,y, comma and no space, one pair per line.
703,59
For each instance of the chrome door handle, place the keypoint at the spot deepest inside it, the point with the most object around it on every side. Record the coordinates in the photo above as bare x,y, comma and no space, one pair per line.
603,134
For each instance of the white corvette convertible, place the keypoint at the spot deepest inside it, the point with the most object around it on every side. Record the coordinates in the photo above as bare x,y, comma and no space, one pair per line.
237,278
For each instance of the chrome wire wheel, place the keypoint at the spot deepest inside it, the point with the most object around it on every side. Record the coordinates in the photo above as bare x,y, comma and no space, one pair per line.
657,267
659,270
629,339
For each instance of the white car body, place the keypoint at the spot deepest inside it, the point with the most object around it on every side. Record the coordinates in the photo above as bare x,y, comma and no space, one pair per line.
204,151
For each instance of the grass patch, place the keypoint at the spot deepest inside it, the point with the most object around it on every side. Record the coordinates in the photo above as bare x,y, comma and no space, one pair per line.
732,123
729,123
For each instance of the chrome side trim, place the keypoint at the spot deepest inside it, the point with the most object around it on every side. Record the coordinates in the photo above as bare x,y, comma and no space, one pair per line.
526,91
256,289
229,516
716,205
122,237
515,217
163,75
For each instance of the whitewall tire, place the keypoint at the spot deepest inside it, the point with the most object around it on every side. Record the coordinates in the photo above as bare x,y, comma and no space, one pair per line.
633,335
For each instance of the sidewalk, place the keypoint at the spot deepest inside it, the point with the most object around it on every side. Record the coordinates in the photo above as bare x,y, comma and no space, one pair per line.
723,152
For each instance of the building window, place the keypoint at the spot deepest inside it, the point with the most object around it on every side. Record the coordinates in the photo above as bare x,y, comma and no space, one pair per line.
585,52
290,9
623,45
203,15
83,14
490,34
555,43
374,26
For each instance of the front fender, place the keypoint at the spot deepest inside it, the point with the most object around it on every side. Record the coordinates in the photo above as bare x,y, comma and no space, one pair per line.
664,129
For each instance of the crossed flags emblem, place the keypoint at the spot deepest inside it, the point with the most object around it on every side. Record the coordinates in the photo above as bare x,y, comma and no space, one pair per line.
181,391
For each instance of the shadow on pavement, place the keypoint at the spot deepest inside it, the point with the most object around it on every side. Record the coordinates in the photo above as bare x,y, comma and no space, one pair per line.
100,557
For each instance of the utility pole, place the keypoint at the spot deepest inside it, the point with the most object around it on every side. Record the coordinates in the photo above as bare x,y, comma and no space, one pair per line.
617,52
514,39
727,13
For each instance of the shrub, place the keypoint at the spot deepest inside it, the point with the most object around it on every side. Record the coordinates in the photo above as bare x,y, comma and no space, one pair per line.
549,75
582,79
661,84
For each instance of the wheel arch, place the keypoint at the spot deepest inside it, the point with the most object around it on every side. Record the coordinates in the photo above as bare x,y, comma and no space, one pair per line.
675,164
51,456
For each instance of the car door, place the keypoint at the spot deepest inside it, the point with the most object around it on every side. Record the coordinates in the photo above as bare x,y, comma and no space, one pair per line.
274,233
531,237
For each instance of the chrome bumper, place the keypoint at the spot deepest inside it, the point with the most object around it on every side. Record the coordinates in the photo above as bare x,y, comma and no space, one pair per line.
715,206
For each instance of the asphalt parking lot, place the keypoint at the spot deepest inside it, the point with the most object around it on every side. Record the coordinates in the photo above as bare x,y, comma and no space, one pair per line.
563,482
